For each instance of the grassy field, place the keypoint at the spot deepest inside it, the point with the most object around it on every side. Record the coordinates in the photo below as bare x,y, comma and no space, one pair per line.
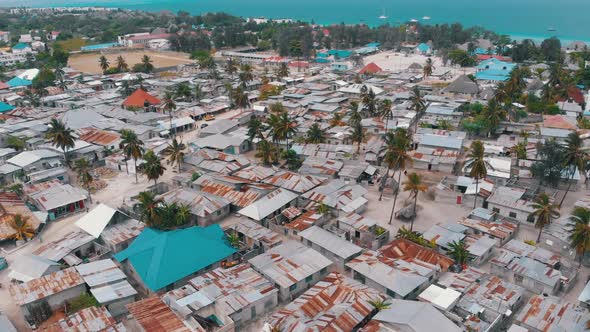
88,62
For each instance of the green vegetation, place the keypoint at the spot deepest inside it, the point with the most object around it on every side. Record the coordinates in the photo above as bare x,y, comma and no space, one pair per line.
83,301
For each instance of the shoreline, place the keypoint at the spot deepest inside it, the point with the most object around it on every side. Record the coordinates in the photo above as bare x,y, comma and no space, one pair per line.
518,36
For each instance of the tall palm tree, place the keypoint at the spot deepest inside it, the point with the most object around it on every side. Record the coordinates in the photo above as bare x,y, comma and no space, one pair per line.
478,166
22,228
459,252
245,74
283,70
60,77
386,111
255,129
277,108
152,167
265,151
417,104
132,147
183,91
315,134
368,101
82,167
580,232
149,208
241,99
60,136
544,212
575,158
414,185
292,160
147,64
175,153
169,105
336,120
286,127
355,118
397,158
494,114
104,63
428,68
233,239
231,67
122,64
357,136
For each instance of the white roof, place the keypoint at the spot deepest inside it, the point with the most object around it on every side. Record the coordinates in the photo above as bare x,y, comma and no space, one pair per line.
29,74
442,298
268,204
95,221
111,292
26,158
330,242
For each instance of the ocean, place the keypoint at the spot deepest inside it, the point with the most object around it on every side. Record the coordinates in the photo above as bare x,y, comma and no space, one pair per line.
518,18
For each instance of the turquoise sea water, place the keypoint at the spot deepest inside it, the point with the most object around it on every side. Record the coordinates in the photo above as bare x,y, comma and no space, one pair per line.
519,18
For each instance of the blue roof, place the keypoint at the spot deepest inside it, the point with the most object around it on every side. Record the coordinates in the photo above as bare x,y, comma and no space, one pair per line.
493,75
480,50
17,81
4,107
340,53
98,46
423,47
375,44
20,46
161,258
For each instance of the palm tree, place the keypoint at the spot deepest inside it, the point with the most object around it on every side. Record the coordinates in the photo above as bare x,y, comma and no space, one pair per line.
428,68
231,67
265,151
397,158
175,153
82,167
336,120
368,101
60,76
126,88
286,127
233,239
132,147
241,99
183,91
315,134
22,229
283,70
122,64
458,250
169,106
322,208
414,185
152,167
183,214
417,104
245,74
292,159
575,158
494,114
147,64
379,304
386,111
103,63
32,98
478,166
255,129
149,208
580,232
544,212
276,108
357,136
60,136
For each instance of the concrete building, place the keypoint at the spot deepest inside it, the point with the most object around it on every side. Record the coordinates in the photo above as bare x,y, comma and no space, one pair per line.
239,293
53,290
339,304
330,246
87,319
292,267
269,206
205,209
512,203
56,199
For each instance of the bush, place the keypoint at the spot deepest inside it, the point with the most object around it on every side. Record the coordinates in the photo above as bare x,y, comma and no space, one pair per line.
83,301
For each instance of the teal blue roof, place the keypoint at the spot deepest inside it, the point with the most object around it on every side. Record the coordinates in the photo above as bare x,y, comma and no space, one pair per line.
20,46
161,258
493,75
4,107
375,44
340,53
17,81
423,47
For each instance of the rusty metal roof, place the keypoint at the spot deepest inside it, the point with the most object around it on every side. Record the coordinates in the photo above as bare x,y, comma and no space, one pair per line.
553,314
410,251
336,303
153,315
305,221
98,136
96,319
236,197
45,286
257,232
296,182
255,173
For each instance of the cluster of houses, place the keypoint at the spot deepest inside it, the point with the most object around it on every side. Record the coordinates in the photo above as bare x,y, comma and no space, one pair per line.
307,256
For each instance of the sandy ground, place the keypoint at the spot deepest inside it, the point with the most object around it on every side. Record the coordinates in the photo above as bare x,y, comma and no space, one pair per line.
394,61
88,63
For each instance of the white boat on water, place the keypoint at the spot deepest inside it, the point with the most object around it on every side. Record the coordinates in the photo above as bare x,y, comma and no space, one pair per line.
382,17
414,20
426,18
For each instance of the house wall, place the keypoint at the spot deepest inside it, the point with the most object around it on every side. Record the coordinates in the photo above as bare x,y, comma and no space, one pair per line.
56,301
338,261
118,307
256,309
212,218
505,211
290,293
41,165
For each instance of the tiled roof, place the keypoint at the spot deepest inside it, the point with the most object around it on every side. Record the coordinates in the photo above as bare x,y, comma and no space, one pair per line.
139,99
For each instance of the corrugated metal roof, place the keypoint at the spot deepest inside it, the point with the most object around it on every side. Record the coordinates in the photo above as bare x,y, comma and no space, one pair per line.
331,242
296,182
45,286
100,272
257,232
268,204
111,292
153,315
552,314
336,303
410,251
58,249
96,319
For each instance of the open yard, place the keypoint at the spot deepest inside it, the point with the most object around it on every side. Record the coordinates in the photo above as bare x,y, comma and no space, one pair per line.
88,62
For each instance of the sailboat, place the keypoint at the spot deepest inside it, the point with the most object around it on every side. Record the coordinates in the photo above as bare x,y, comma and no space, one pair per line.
426,18
383,16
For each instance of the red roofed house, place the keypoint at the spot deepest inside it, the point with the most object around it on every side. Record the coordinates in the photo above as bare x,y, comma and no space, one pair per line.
574,93
484,57
558,122
4,86
370,69
140,99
